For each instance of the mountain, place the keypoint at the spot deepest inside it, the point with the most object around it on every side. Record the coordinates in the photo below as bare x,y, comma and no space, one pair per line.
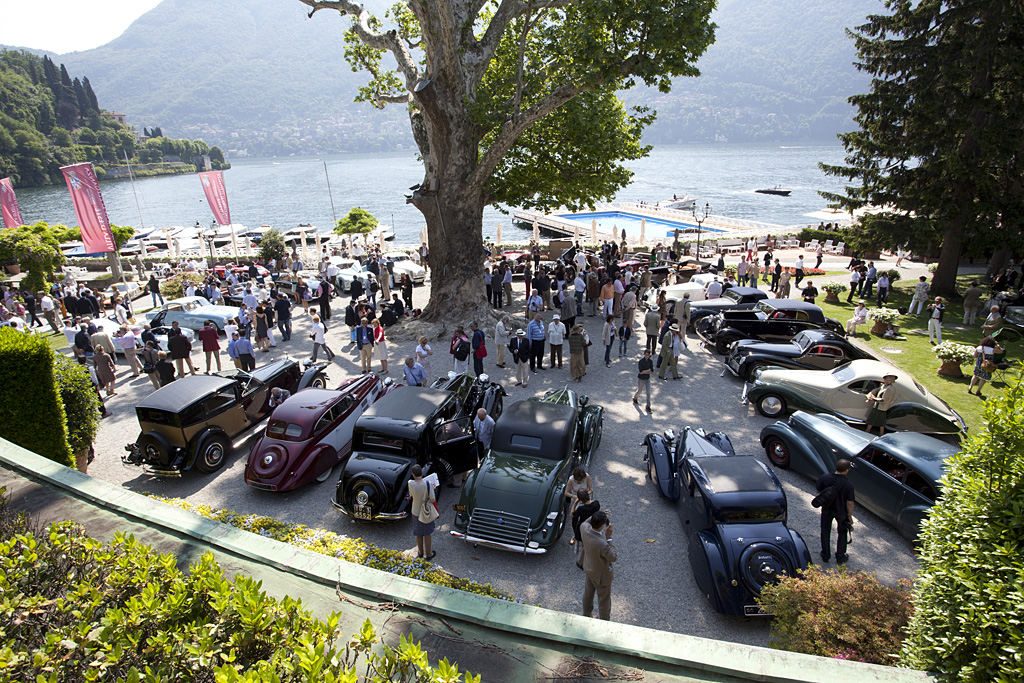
263,77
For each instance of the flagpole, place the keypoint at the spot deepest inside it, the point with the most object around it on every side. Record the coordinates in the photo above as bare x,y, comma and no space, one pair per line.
329,193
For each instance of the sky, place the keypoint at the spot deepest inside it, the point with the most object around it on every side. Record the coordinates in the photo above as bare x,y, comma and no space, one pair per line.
63,26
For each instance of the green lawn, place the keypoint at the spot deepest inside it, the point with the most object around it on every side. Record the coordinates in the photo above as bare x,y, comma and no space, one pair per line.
916,354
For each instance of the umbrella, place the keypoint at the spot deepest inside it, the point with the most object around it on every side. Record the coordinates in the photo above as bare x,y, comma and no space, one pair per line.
593,229
536,231
176,248
643,229
576,233
380,240
234,241
302,241
423,235
319,248
497,235
624,233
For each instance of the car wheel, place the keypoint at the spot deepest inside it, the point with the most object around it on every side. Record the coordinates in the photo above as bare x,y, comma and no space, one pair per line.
598,433
749,372
771,405
777,452
213,452
722,343
319,382
760,565
326,475
153,449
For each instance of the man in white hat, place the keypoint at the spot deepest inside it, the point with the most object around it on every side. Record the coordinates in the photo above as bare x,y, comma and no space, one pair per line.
556,338
519,347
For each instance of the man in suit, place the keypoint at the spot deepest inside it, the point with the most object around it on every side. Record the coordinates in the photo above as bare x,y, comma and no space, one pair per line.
598,556
519,347
365,342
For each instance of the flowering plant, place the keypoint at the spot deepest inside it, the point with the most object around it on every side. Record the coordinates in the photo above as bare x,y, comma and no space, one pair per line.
834,287
887,316
951,351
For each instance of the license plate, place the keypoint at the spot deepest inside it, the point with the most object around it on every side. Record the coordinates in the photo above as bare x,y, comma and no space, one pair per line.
361,512
756,611
459,508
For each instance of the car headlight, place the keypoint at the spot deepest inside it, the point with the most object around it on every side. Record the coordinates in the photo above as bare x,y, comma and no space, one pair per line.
362,498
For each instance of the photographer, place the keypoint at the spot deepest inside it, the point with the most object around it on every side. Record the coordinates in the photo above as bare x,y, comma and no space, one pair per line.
835,498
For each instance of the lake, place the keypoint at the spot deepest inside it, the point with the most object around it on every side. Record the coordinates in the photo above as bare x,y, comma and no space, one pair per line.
284,192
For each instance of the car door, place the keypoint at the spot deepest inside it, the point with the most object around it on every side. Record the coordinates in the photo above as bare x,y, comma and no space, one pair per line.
878,482
453,443
824,356
341,437
255,398
850,399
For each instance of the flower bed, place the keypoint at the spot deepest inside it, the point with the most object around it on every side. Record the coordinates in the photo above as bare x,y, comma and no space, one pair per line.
353,550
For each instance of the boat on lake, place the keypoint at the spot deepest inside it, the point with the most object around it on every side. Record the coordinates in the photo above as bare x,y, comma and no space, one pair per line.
780,191
680,203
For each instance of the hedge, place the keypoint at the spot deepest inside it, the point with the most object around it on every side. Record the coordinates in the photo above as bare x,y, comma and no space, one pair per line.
31,411
81,403
968,623
77,610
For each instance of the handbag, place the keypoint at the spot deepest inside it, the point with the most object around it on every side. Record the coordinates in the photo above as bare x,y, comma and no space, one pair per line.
427,510
989,366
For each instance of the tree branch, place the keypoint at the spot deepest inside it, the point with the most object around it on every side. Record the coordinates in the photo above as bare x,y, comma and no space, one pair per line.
509,10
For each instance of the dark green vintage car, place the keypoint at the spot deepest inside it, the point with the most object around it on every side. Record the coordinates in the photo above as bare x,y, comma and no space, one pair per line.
514,500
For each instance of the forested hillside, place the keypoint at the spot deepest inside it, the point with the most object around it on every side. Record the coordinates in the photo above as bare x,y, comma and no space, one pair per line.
49,119
261,77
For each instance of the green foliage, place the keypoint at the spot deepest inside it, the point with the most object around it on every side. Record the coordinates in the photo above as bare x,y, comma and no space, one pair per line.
951,351
353,550
834,287
357,221
272,246
967,619
174,286
122,233
31,411
81,403
841,614
119,611
35,248
889,316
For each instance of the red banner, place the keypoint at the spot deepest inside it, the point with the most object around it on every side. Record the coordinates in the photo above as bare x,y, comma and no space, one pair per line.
9,205
216,195
89,207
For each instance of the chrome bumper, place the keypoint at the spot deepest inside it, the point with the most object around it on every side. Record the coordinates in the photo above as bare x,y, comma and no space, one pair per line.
382,517
500,546
746,389
730,368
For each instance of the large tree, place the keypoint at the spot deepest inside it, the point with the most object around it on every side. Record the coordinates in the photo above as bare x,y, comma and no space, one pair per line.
513,102
942,130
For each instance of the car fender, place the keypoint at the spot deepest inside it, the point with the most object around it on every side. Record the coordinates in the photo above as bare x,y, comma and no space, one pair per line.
803,457
310,374
663,470
708,563
304,471
800,549
833,325
732,332
909,520
794,400
916,417
593,416
193,446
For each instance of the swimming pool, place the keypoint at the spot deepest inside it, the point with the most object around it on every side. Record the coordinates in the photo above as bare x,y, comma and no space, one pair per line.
630,222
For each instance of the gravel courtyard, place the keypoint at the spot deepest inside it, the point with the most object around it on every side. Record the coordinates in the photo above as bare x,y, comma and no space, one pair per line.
653,587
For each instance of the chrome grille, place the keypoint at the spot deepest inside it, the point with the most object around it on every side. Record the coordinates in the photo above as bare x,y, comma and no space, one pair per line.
499,527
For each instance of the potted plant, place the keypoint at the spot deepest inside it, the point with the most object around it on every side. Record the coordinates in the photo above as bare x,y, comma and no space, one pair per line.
883,318
832,291
953,355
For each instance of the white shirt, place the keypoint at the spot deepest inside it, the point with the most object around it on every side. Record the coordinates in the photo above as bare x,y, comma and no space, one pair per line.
799,264
713,290
69,334
229,330
190,290
318,333
121,313
46,303
618,287
556,333
580,259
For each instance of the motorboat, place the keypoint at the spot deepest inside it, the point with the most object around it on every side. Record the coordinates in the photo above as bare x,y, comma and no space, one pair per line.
680,203
780,191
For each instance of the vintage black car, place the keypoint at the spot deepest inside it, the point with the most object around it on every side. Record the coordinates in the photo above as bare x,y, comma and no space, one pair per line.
734,511
769,320
515,499
474,392
192,421
808,350
734,298
431,427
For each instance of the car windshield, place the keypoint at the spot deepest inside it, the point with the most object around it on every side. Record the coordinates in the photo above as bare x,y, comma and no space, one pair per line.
731,294
287,431
764,307
752,514
803,340
844,373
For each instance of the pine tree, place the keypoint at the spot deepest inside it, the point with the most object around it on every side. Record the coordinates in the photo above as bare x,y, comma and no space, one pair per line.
65,78
942,130
94,104
80,97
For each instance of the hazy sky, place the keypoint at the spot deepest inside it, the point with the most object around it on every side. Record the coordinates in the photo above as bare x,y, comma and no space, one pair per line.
67,25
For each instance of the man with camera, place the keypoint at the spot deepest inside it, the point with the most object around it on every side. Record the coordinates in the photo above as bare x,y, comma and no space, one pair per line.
835,498
598,556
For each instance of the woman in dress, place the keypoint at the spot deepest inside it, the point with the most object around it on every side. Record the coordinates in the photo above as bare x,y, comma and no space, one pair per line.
423,508
380,345
302,292
577,345
783,292
104,365
423,354
261,329
985,352
608,339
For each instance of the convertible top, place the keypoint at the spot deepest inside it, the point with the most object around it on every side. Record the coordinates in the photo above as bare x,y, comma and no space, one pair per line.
534,428
404,411
734,474
178,395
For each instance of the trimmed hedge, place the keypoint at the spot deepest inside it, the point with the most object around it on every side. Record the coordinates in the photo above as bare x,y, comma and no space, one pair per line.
77,610
81,403
31,411
967,623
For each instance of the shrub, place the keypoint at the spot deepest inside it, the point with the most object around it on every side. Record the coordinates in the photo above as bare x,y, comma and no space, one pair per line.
34,249
967,619
951,351
838,613
834,287
31,411
174,286
888,316
353,550
272,246
81,403
120,611
893,274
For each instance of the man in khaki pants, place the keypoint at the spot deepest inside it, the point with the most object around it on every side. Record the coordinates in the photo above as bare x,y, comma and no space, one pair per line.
598,556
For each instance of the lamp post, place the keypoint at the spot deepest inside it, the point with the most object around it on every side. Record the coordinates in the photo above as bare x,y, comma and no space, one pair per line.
208,238
700,217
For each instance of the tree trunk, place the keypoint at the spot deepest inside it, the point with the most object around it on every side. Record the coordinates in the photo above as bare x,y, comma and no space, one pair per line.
999,259
944,281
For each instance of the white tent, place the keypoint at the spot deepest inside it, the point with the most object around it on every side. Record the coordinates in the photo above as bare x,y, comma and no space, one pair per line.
234,241
319,247
593,229
497,234
643,230
536,231
303,254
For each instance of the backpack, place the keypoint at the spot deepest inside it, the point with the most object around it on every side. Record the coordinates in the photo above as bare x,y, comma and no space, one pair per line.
826,496
462,350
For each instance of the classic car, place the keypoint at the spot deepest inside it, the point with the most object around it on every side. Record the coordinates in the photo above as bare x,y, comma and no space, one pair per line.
732,299
410,425
474,392
515,499
192,421
129,290
349,270
241,271
402,263
768,320
896,476
674,293
843,392
734,512
808,350
310,433
192,312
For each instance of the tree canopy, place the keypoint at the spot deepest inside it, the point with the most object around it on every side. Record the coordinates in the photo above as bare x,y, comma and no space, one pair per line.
357,221
513,101
941,131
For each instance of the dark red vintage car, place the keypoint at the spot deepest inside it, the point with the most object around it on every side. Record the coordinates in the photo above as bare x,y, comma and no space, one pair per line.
310,433
221,272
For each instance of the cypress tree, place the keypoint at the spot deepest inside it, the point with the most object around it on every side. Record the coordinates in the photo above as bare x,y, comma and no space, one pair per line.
80,97
94,104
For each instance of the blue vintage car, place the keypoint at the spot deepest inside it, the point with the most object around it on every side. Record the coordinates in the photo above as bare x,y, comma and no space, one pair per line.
896,476
734,511
515,499
192,312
